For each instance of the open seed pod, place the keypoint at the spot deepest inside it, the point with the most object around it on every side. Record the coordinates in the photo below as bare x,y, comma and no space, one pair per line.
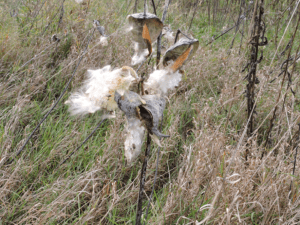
148,109
145,29
152,112
180,52
129,103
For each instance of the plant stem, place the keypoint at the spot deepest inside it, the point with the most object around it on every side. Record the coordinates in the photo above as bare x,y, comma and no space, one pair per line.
154,8
142,182
256,34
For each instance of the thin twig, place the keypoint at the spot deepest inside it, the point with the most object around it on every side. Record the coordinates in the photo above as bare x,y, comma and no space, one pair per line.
196,7
154,8
35,17
155,176
59,10
237,28
135,6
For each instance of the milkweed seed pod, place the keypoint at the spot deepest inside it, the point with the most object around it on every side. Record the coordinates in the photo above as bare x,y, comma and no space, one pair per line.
180,52
152,112
141,113
148,108
129,102
99,89
145,29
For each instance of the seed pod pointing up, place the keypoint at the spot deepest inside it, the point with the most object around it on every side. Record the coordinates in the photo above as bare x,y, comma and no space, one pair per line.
145,28
180,52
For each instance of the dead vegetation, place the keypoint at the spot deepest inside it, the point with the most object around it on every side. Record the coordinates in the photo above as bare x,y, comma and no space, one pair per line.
210,170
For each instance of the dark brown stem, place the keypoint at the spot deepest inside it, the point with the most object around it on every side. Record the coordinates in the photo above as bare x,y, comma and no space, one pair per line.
155,176
142,182
252,79
154,8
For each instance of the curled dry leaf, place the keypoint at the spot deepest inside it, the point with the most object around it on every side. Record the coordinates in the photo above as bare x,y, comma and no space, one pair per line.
180,52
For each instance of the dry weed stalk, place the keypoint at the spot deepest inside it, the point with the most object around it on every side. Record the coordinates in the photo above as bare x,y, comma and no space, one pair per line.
257,34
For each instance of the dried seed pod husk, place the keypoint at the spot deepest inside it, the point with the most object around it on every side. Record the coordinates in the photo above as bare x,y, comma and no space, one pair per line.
148,108
180,52
129,103
145,28
152,112
153,24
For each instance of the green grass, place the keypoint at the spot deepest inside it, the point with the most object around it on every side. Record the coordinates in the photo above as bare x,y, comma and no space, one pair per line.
60,134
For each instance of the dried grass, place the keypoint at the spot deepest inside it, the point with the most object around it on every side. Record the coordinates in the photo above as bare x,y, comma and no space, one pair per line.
203,176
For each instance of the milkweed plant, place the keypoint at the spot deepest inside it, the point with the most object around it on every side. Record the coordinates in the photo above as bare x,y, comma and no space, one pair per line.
109,89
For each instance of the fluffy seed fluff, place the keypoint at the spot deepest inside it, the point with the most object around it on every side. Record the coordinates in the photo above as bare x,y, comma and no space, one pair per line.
134,139
98,91
160,81
103,41
139,54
